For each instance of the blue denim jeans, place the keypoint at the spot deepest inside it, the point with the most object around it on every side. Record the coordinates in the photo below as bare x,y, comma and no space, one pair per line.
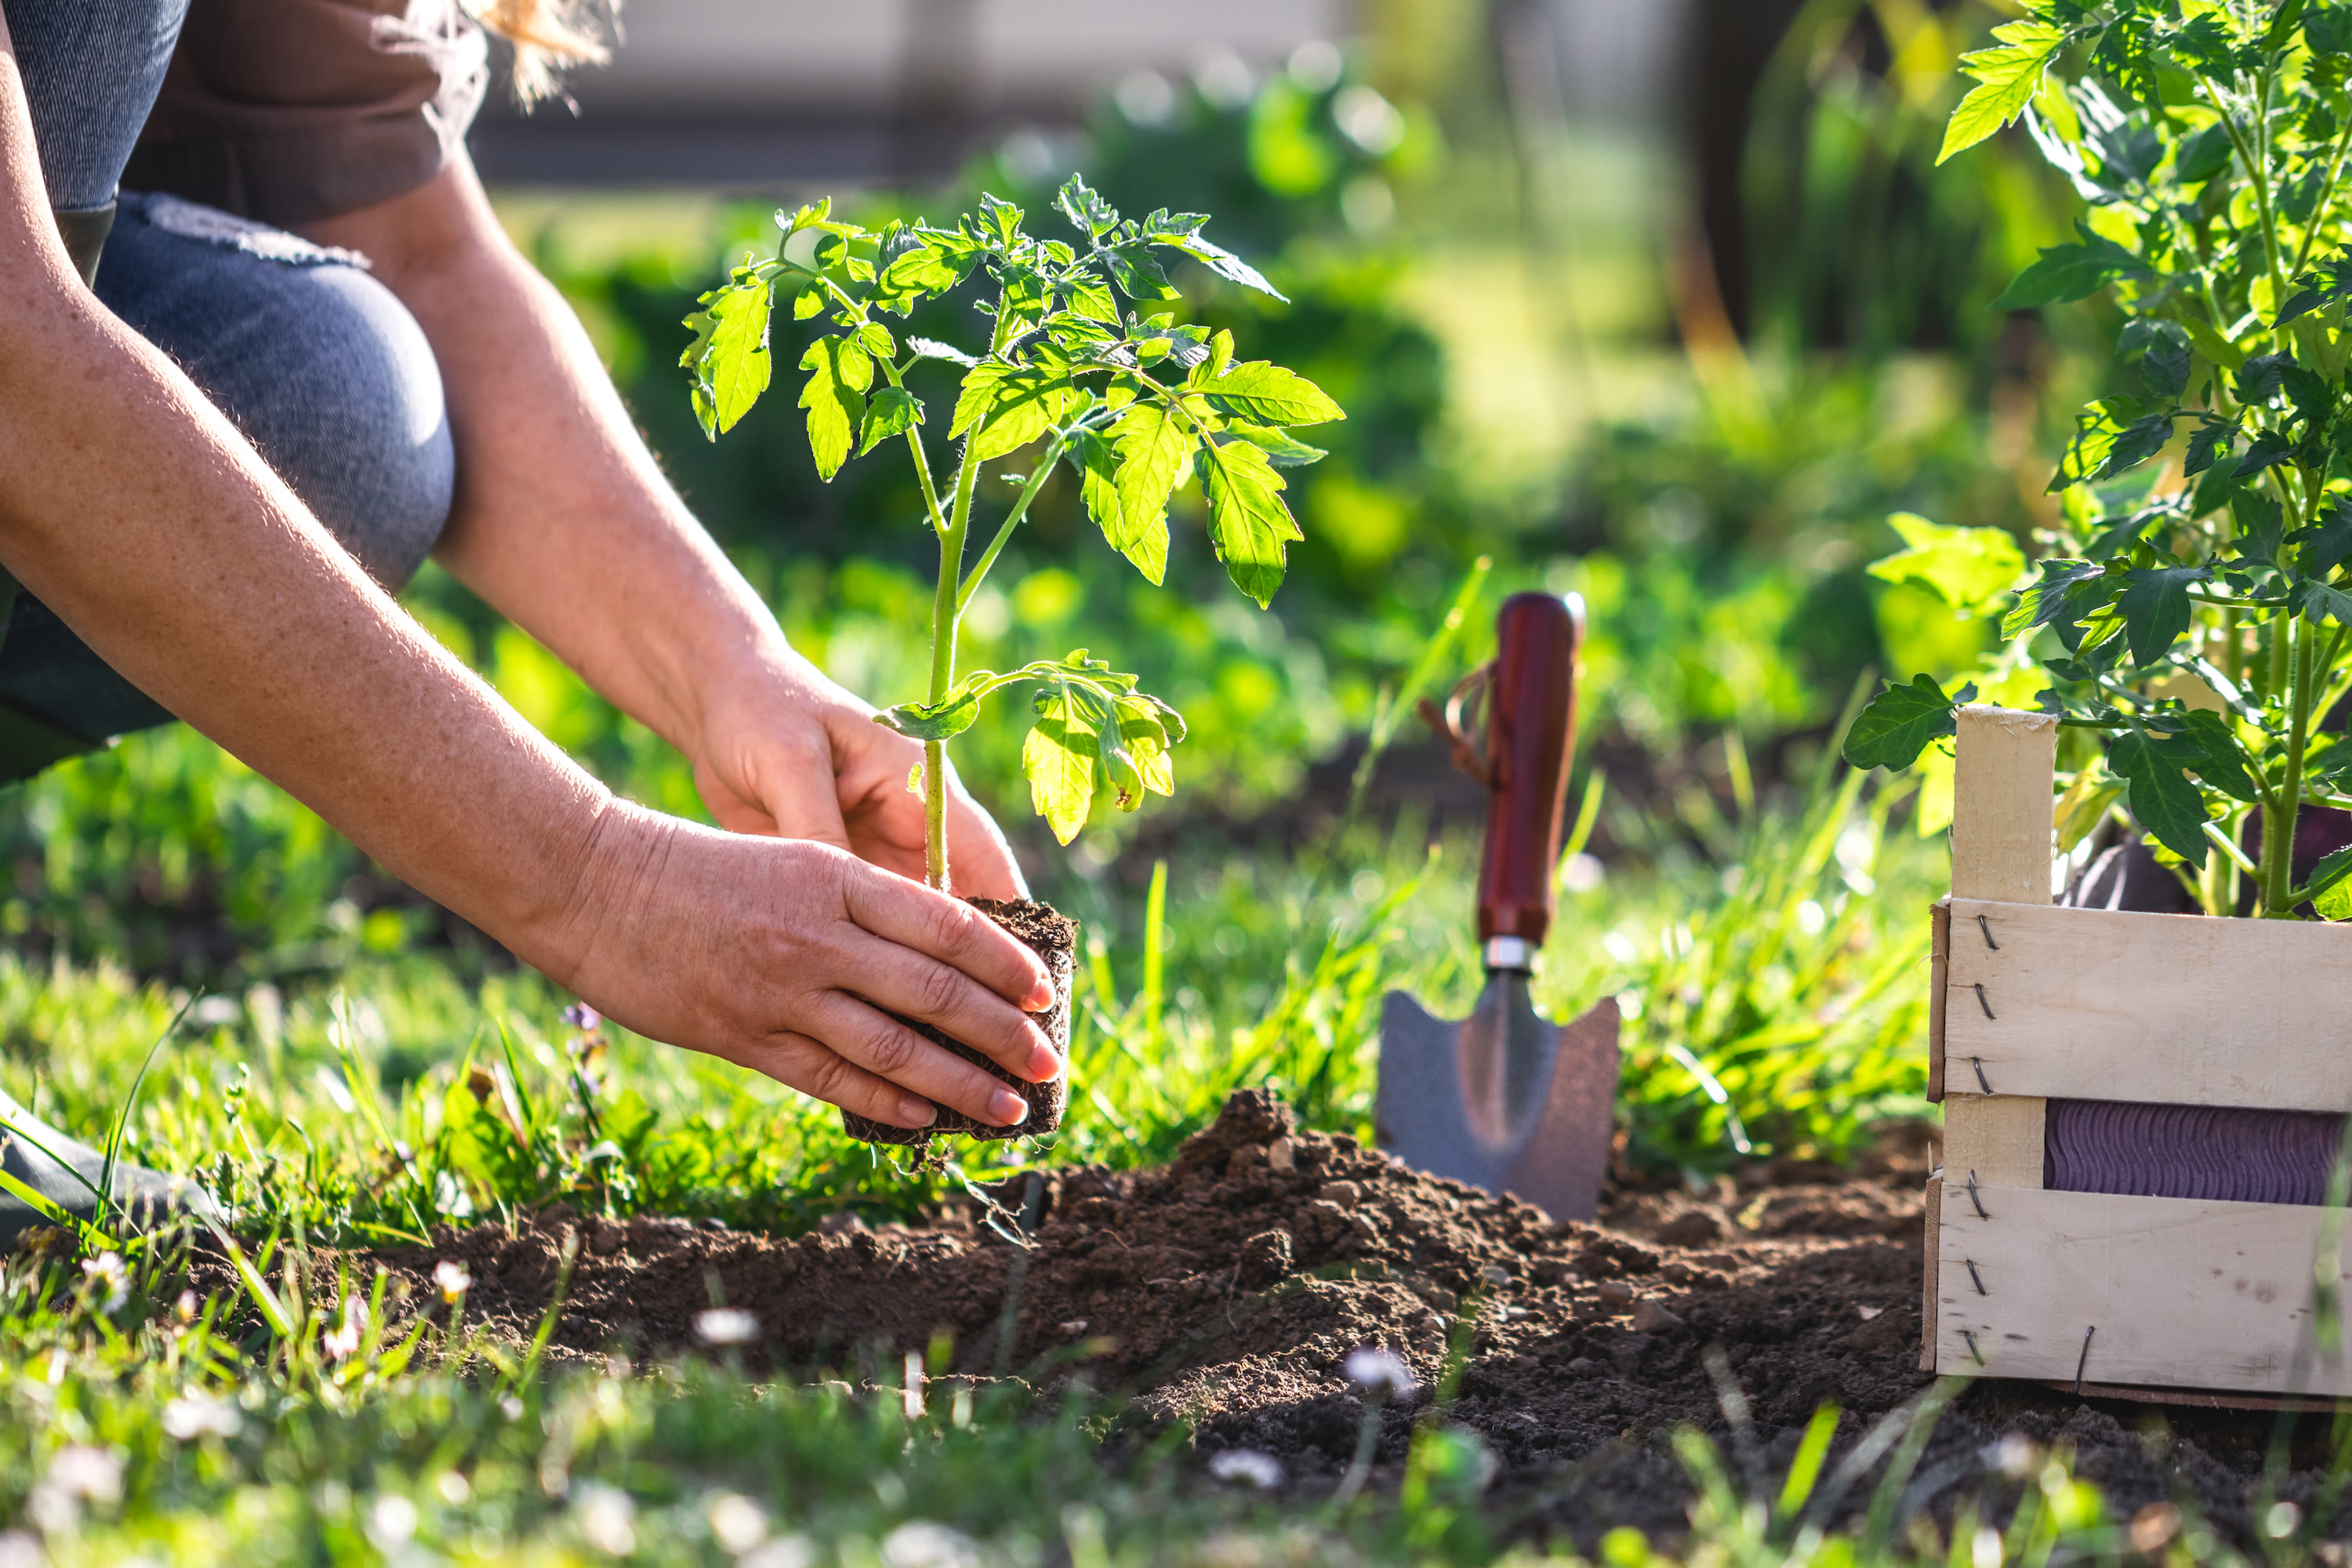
320,367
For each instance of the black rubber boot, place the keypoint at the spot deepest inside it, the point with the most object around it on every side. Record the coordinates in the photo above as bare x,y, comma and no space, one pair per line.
66,1171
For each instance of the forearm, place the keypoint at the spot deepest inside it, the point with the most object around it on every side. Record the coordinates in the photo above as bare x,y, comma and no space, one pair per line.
131,506
562,520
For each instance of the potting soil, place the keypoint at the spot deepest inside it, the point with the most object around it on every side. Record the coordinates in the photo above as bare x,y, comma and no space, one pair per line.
1228,1290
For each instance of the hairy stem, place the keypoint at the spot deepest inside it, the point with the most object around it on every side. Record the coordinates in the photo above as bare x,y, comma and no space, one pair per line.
946,611
1012,521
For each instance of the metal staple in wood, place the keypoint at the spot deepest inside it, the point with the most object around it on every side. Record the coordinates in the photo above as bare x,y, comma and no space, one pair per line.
1980,1000
1974,1278
1976,1200
1973,1351
1985,926
1983,1083
2085,1359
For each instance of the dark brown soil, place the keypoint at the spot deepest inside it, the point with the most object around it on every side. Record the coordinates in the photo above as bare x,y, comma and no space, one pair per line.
1054,936
1227,1290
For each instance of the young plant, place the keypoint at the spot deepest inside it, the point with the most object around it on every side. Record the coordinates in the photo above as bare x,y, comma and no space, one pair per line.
1134,402
2189,617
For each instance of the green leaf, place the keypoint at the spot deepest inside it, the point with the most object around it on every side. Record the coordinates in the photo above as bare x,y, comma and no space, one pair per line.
2320,603
2154,606
1058,760
999,215
1900,722
1143,541
2219,760
1248,522
730,357
2330,887
1283,450
2165,804
1217,259
1970,568
2046,600
2068,272
890,412
2210,440
2006,77
941,720
2269,448
2327,543
835,398
1267,394
1005,407
1086,210
1153,447
1138,272
2135,443
927,269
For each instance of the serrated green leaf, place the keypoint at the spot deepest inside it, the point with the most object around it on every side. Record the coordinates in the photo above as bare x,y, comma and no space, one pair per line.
2219,760
1153,447
2326,543
2070,272
2154,606
1087,211
1005,407
1143,541
1248,522
1267,394
1058,760
1899,723
2320,603
891,411
730,353
1283,450
1215,257
934,721
2006,77
1970,568
2135,443
2161,798
2330,887
835,398
1138,272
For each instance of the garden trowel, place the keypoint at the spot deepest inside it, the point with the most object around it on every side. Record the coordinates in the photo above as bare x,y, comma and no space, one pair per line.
1502,1099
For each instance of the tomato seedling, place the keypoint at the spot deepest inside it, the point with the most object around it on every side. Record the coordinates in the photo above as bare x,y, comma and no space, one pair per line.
1136,404
2189,617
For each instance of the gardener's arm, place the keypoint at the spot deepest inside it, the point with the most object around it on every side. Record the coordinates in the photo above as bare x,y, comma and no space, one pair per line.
564,523
131,506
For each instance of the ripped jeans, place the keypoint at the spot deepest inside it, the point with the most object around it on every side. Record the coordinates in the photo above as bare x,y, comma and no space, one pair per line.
320,367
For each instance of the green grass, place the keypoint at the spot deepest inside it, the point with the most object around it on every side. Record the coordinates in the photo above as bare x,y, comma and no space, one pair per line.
1773,951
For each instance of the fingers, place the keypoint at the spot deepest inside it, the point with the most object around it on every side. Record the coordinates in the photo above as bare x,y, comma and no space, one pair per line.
815,1069
931,924
881,1048
921,988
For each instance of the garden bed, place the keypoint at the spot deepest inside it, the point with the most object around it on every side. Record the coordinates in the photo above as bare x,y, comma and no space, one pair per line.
1228,1288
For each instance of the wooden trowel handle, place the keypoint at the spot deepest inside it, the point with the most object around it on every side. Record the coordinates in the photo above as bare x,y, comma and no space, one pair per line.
1530,739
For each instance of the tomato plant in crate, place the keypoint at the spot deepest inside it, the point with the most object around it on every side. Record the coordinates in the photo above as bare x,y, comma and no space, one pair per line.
1136,404
2188,617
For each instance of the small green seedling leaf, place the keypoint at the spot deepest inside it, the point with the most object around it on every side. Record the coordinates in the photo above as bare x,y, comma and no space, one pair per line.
1901,721
891,411
1267,394
1058,760
2006,77
835,398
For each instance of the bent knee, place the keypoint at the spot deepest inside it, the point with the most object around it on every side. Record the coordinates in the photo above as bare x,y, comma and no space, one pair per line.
324,371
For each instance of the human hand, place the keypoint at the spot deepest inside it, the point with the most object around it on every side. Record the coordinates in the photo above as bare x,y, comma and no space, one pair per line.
781,955
786,751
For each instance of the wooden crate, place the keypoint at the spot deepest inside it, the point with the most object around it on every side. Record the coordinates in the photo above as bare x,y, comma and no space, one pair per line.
2031,1002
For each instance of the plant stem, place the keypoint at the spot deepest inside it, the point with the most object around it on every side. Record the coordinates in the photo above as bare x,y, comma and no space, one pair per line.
2279,819
946,610
1012,521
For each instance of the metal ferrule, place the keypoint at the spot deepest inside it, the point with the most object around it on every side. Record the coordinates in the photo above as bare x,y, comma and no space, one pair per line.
1509,953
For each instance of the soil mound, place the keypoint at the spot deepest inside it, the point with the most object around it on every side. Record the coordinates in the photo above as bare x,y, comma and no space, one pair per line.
1227,1290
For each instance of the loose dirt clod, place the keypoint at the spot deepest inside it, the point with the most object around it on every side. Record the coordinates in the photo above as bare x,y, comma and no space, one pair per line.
1227,1290
1054,936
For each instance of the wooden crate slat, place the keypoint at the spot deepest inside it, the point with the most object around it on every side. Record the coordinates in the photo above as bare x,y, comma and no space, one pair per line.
2178,1293
2162,1009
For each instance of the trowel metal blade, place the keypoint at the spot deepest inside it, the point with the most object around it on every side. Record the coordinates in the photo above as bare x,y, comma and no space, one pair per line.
1502,1100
